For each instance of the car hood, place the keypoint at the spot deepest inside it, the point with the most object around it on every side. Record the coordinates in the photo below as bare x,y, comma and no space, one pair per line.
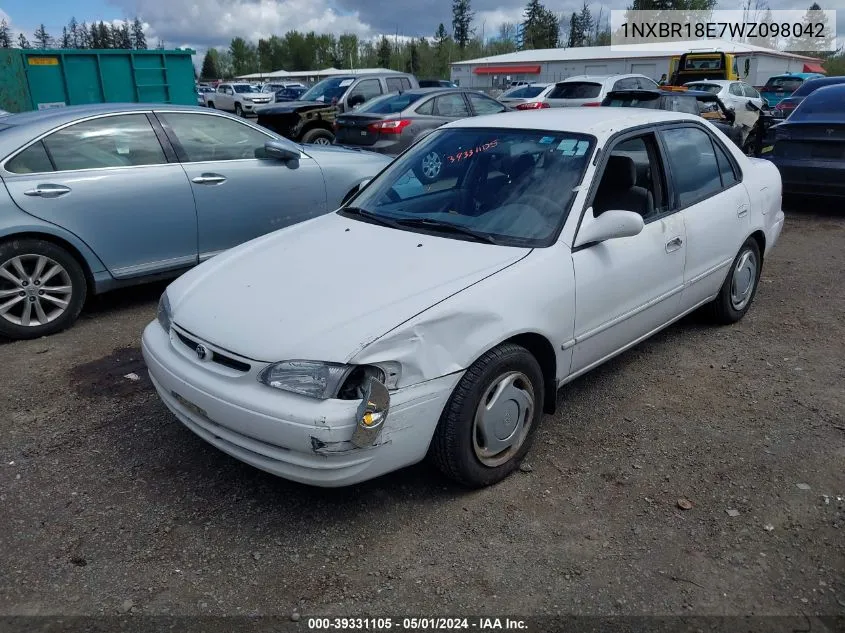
294,106
325,288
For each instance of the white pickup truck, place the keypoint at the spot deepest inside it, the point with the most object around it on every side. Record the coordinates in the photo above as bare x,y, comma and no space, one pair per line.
238,98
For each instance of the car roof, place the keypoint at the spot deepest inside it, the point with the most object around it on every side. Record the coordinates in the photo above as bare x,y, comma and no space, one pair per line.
600,122
718,82
599,78
827,90
27,125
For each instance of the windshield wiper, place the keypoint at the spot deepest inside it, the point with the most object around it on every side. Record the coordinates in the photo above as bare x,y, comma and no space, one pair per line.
446,227
374,217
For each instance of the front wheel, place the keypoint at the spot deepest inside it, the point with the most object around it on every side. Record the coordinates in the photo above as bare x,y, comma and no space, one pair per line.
318,137
740,286
210,104
239,111
488,423
42,289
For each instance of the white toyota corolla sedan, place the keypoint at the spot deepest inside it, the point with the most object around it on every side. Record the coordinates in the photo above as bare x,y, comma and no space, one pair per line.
440,319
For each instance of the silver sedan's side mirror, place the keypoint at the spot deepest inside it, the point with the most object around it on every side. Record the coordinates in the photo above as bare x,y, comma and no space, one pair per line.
609,225
281,150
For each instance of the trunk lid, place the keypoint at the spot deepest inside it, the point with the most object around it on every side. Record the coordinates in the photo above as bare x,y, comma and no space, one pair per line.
813,141
353,129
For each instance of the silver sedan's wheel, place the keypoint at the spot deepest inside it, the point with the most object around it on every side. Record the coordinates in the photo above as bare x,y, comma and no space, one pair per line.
743,279
431,166
488,423
42,288
37,290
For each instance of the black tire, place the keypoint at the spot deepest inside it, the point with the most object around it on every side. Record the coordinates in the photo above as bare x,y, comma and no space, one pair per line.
318,136
724,309
71,274
210,104
454,445
239,111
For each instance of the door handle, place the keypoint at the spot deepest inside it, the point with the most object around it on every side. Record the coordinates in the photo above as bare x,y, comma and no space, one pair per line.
674,244
209,179
47,191
742,211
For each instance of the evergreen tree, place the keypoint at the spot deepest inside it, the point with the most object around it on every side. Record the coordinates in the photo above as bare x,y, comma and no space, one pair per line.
139,39
462,23
574,31
94,36
5,34
65,38
73,33
413,64
42,37
84,36
442,52
23,42
585,25
209,65
808,44
105,35
384,52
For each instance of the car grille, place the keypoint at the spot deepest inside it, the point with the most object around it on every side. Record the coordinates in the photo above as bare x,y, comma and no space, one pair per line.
262,100
216,356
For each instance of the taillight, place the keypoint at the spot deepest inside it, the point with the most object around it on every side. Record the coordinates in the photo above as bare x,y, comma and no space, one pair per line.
534,105
394,126
592,104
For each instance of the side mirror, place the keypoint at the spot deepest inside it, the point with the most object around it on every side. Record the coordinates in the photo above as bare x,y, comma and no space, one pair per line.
280,150
609,225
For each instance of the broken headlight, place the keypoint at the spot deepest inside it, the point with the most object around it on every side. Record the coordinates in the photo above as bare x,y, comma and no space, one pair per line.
163,313
323,380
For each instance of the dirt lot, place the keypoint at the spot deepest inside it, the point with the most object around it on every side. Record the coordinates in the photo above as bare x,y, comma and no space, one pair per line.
111,506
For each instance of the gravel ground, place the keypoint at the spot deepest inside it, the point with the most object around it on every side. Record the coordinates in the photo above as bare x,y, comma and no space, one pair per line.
110,506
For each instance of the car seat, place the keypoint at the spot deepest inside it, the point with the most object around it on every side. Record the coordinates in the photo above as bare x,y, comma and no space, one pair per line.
619,190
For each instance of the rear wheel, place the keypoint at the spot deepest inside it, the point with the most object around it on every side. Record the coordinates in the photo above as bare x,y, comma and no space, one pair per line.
489,422
318,136
740,286
42,289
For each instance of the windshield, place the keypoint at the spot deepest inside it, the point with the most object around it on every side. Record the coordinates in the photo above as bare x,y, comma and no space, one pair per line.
514,187
244,88
389,103
787,84
523,92
713,89
328,89
820,105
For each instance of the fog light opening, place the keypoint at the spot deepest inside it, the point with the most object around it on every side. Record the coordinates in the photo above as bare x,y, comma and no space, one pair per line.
372,412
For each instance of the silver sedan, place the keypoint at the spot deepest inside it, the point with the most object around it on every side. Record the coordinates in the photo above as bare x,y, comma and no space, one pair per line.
102,196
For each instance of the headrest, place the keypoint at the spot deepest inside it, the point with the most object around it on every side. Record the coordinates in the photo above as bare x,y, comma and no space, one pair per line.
620,173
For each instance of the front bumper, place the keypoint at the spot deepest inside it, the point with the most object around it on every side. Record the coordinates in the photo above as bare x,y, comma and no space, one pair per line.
289,435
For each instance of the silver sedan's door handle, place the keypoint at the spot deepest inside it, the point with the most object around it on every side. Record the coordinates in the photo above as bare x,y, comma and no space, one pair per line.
209,179
674,244
47,191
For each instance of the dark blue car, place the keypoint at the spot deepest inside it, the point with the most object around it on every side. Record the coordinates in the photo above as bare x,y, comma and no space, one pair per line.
809,147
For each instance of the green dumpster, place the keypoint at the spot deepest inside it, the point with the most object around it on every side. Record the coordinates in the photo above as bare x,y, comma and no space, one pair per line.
40,79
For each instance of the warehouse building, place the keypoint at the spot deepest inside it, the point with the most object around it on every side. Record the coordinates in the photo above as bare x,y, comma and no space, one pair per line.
651,59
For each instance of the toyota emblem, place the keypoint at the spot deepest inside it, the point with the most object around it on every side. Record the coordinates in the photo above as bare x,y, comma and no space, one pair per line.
203,353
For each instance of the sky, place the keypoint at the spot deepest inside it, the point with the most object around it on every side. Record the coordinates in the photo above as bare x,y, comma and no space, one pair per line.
201,24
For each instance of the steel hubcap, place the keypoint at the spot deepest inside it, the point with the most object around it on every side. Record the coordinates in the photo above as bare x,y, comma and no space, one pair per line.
431,165
743,279
322,141
503,418
34,290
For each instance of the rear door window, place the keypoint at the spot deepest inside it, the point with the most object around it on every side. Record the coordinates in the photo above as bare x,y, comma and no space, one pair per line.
368,88
692,162
394,84
451,105
127,140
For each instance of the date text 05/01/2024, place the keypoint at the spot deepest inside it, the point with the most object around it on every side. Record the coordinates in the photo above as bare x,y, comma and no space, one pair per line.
481,624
